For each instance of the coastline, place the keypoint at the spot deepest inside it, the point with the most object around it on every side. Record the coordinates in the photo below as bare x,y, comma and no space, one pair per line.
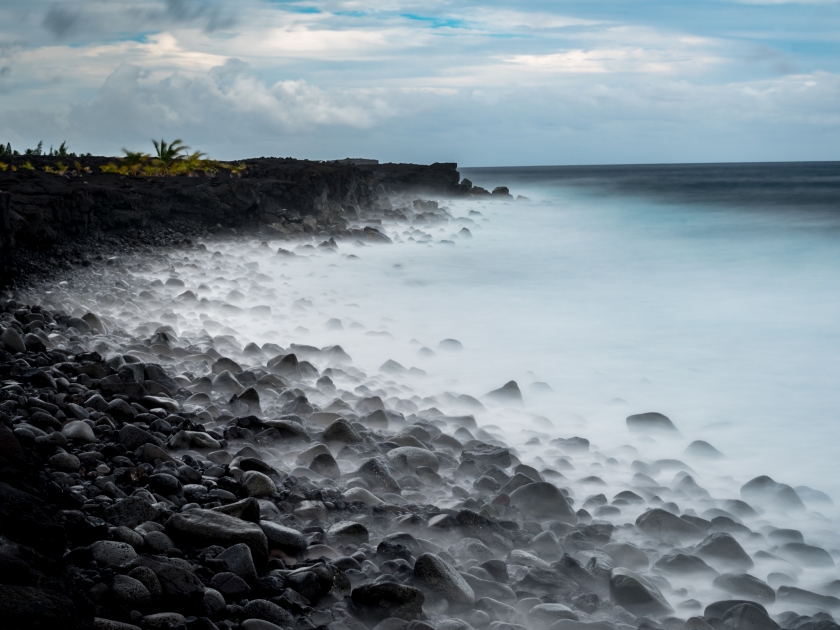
459,541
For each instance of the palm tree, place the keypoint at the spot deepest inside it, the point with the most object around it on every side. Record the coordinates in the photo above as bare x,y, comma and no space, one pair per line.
170,153
134,161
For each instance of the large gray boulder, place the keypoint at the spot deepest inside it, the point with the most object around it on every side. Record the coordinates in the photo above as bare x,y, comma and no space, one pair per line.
442,579
661,524
651,422
722,550
286,539
543,501
202,528
638,595
507,394
387,599
748,617
409,458
747,586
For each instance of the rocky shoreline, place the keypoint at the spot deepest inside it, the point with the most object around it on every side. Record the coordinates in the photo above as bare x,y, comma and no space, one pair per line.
155,474
57,220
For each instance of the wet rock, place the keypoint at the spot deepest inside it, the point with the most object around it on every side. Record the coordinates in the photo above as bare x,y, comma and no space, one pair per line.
699,448
806,555
746,586
238,560
130,512
637,594
360,494
349,533
722,549
748,617
790,595
683,564
542,500
79,432
488,454
545,615
66,462
232,587
130,592
134,437
257,484
387,599
408,458
442,579
342,432
663,525
764,490
111,552
509,394
201,528
719,609
627,556
325,465
12,340
267,611
377,476
176,581
651,422
284,538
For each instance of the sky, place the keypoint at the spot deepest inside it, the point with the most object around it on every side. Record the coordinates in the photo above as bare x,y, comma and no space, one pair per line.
479,83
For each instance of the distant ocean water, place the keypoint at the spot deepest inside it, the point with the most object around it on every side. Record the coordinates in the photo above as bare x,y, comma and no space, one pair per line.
710,292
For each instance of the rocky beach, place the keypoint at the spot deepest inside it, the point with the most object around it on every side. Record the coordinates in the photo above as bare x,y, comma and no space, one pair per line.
180,448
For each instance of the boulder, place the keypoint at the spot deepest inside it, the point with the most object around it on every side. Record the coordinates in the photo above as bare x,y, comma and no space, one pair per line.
286,539
238,559
387,599
78,431
507,394
488,454
661,524
112,552
746,586
651,422
341,431
409,458
258,484
546,615
377,476
349,533
721,549
201,528
637,594
748,617
543,501
441,578
267,611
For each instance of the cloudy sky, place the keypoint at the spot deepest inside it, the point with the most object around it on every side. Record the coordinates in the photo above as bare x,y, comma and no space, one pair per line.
499,82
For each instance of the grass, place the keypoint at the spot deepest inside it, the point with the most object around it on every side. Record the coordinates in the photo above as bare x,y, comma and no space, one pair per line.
171,159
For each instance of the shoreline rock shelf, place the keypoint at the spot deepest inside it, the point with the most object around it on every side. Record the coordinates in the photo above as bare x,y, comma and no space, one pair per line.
154,474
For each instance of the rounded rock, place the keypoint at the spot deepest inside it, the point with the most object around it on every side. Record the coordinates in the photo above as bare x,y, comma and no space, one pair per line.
441,578
542,500
258,484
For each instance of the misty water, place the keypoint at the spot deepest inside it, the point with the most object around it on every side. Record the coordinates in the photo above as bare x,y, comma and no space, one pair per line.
604,294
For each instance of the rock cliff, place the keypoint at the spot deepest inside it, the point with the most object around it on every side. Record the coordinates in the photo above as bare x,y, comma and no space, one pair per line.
44,210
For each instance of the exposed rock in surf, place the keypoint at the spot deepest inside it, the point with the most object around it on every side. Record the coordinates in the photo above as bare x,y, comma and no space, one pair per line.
542,500
651,422
637,594
699,448
509,394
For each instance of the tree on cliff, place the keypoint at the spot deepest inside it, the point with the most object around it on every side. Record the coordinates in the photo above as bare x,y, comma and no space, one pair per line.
168,154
